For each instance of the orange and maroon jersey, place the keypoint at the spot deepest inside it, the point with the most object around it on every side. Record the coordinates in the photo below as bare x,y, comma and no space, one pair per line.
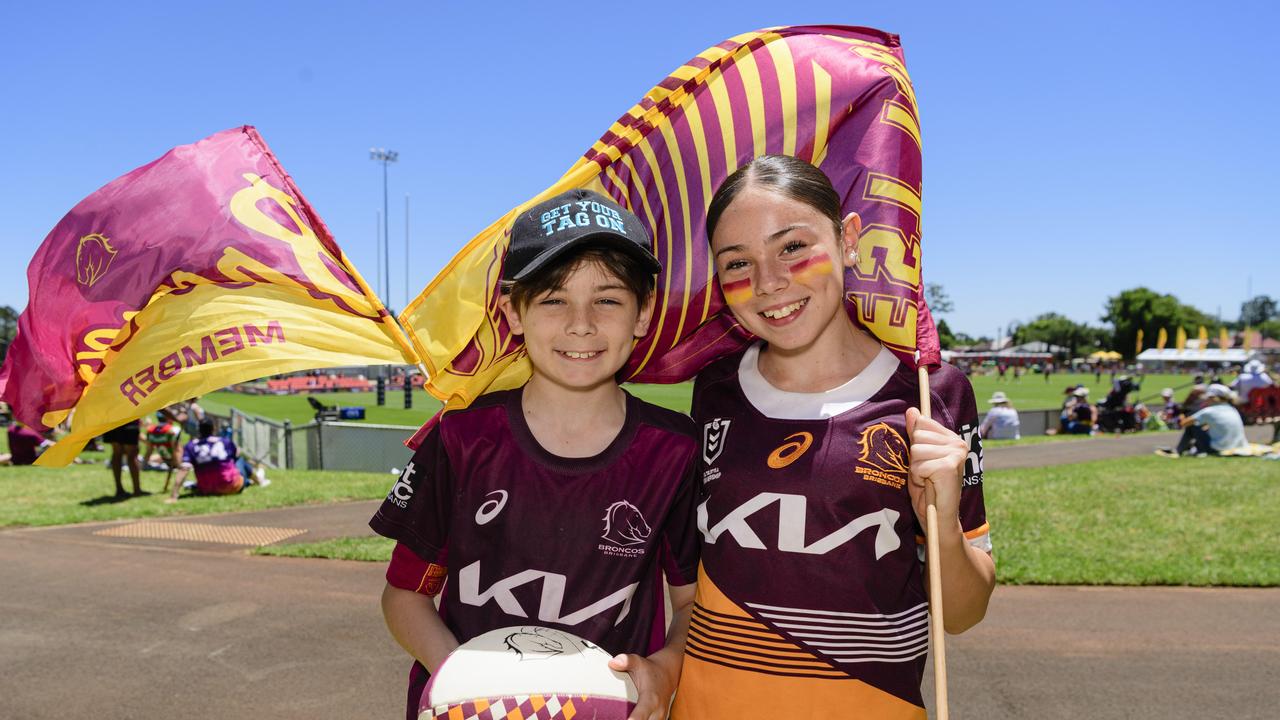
528,537
811,598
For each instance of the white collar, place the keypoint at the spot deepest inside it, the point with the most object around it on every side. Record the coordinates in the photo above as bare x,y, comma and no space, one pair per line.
784,405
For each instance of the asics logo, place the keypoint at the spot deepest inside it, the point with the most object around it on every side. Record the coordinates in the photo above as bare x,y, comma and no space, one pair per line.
489,509
790,451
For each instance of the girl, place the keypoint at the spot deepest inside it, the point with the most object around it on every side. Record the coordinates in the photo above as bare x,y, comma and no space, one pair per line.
811,594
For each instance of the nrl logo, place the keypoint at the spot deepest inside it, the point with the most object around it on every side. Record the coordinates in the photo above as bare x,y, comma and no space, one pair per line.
93,256
713,436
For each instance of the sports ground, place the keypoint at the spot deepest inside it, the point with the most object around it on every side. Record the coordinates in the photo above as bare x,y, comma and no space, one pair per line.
176,617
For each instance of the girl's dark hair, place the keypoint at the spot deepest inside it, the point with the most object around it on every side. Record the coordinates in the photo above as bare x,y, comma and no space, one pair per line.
635,276
790,176
206,428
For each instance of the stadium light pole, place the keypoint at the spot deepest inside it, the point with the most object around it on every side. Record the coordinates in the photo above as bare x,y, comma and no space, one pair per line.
386,157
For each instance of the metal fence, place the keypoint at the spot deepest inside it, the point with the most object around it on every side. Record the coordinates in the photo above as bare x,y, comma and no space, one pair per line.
360,447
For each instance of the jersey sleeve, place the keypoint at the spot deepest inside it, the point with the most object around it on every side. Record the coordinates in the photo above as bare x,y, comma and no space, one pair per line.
417,510
680,542
953,394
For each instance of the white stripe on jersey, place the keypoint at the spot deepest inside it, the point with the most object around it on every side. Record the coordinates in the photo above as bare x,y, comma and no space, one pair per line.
873,637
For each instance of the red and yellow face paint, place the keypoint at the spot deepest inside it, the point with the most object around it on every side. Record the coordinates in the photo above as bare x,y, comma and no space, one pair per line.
816,265
737,292
812,267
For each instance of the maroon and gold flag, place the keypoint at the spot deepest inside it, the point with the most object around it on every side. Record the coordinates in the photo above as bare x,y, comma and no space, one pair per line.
838,97
204,268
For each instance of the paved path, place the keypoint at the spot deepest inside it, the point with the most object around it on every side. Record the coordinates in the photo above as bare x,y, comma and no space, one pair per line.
94,625
1104,447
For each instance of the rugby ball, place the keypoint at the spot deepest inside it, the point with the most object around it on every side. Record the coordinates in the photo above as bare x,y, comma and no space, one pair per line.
527,672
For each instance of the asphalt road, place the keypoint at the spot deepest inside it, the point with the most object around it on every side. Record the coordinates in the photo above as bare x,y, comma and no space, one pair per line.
124,627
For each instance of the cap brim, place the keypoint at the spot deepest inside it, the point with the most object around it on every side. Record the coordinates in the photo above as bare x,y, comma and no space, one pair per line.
603,239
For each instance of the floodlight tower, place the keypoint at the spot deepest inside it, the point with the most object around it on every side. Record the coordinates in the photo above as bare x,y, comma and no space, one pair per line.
386,157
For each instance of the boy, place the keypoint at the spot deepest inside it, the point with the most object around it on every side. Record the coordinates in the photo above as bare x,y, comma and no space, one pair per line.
560,503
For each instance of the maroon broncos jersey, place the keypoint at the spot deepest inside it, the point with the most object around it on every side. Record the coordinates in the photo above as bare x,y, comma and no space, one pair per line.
528,537
811,599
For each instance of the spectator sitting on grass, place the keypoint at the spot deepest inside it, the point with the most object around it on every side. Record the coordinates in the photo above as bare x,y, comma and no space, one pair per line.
1079,416
1171,413
1213,429
1001,422
214,460
25,445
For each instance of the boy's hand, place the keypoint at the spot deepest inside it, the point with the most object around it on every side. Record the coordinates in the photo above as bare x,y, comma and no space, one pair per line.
937,456
653,686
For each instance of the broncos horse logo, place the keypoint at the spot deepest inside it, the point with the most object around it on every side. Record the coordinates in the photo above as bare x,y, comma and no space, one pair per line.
884,449
624,525
534,643
93,256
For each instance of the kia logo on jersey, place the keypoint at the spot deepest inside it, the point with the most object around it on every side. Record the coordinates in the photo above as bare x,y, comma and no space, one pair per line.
713,438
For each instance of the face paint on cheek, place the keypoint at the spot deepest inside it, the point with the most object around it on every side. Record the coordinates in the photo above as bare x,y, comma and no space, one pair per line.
737,292
812,267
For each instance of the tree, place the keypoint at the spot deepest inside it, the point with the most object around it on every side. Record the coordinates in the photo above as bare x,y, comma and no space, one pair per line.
8,328
1055,329
1144,309
1256,310
946,339
937,299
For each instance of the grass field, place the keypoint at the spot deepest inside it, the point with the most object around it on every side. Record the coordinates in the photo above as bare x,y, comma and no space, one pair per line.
1135,521
296,409
1030,393
84,493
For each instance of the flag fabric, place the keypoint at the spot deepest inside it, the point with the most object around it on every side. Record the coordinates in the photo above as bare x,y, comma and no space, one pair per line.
1181,341
1248,339
1162,338
1224,340
201,269
1203,337
1138,348
839,97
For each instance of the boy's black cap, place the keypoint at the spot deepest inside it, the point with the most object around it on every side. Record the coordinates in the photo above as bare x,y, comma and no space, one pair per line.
571,219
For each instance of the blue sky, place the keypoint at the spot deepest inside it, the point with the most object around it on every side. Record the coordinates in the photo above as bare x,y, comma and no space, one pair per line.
1071,150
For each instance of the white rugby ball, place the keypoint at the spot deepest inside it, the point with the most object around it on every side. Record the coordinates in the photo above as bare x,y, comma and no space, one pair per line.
531,671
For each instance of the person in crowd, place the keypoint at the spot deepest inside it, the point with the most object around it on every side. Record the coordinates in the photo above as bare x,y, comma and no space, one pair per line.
1171,413
213,459
192,414
124,451
1213,429
1001,422
1081,415
1254,375
811,436
163,436
568,478
25,445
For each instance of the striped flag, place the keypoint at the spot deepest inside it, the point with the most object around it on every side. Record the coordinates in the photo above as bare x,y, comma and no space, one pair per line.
839,97
204,268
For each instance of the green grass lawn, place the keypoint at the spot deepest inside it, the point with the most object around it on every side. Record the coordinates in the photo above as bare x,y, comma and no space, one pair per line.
1033,393
296,409
1138,521
1134,521
84,493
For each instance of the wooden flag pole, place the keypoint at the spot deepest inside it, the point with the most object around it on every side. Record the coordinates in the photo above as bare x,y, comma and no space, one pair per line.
932,556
